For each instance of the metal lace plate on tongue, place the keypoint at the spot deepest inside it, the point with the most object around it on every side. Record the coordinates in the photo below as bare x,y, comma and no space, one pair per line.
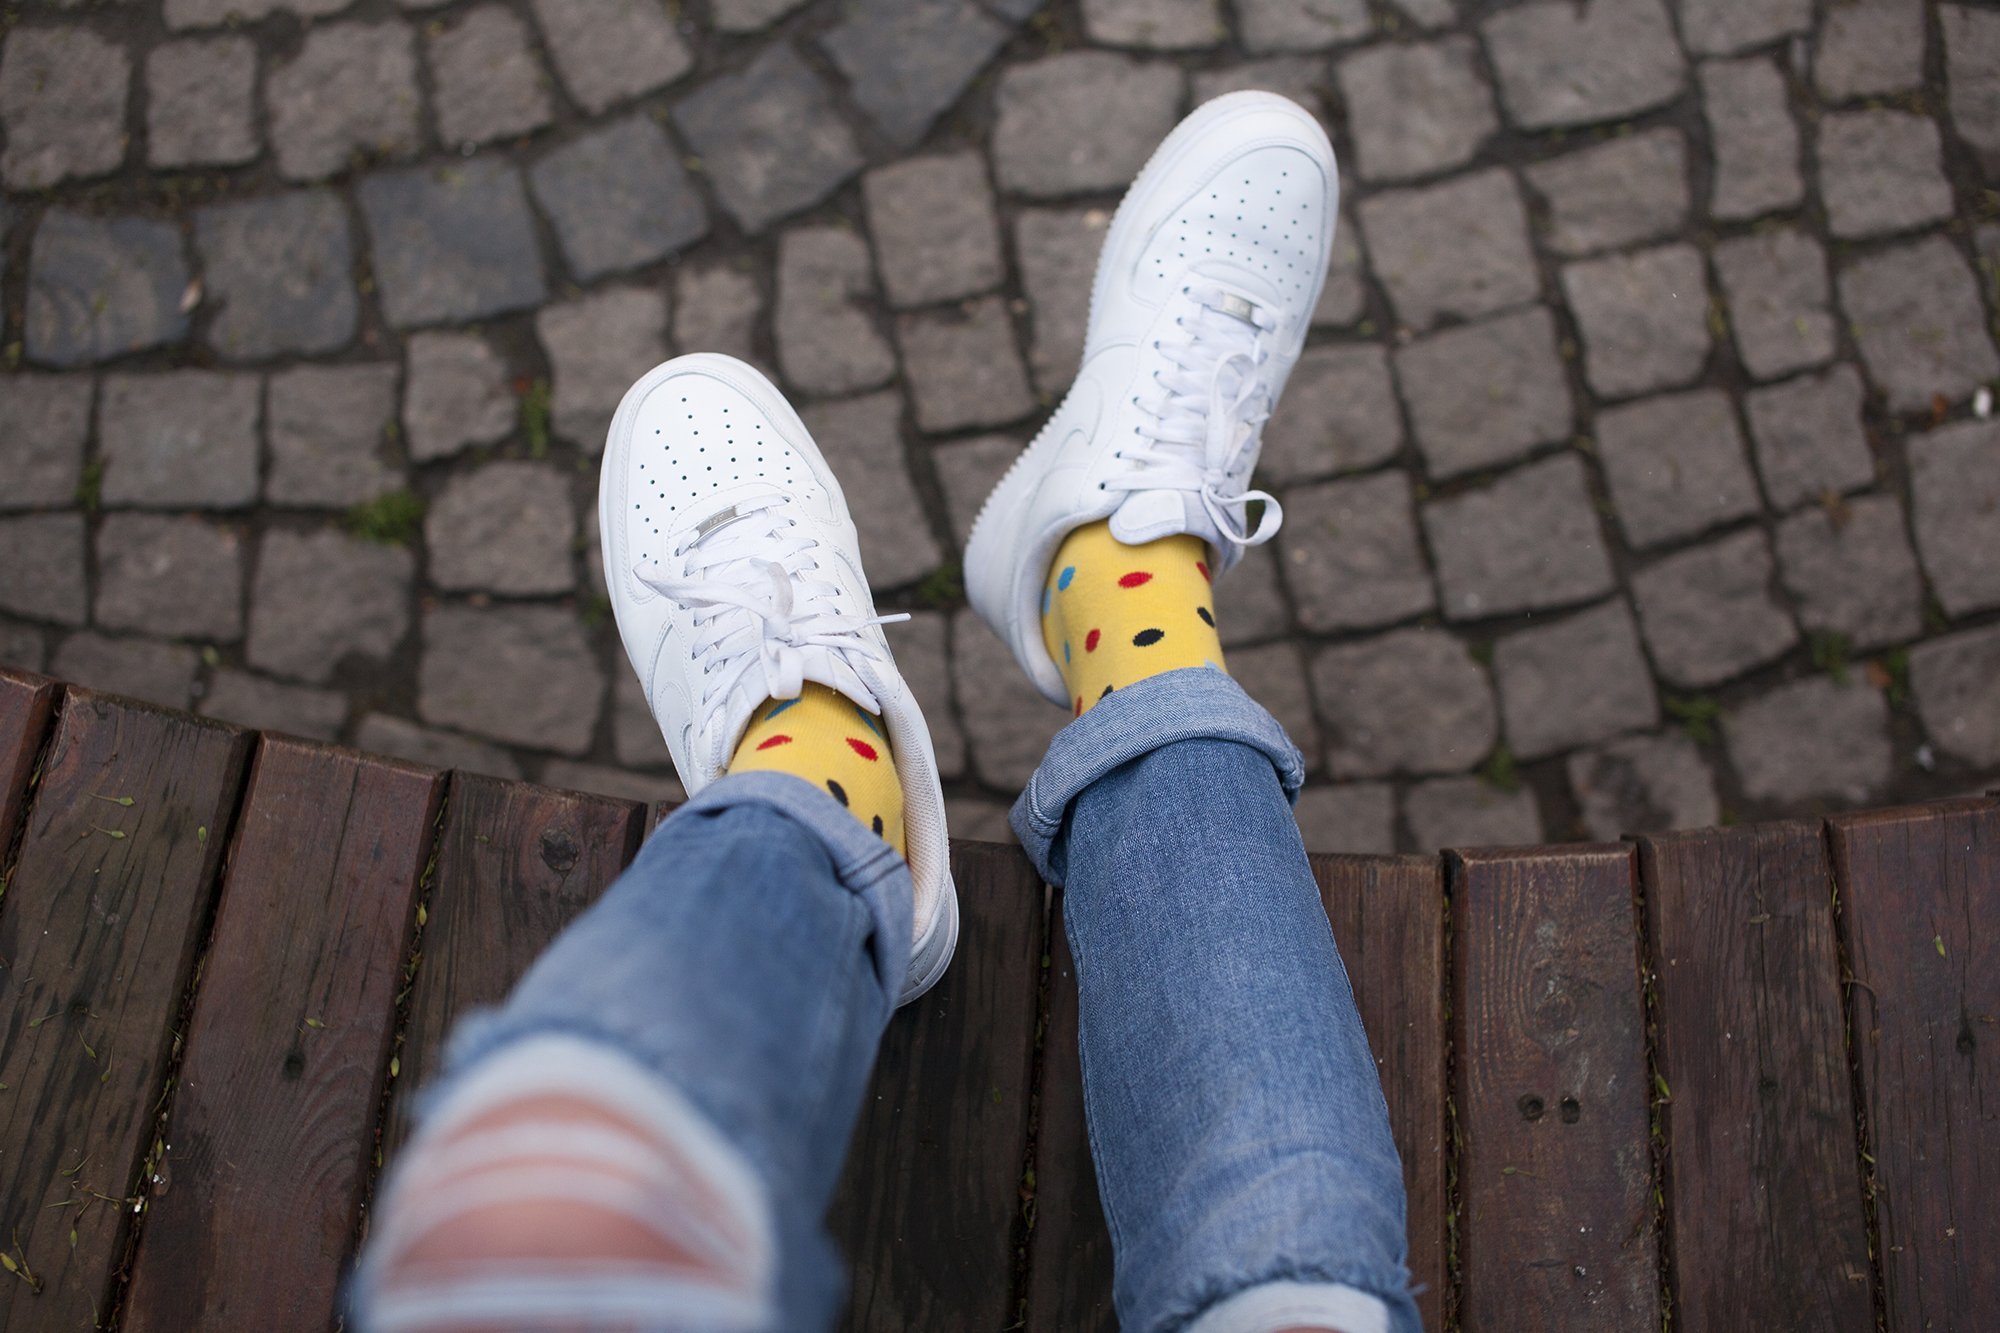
1237,307
721,518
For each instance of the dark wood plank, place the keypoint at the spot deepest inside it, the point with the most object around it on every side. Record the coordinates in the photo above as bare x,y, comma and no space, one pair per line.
26,705
98,932
1069,1250
272,1128
927,1206
1763,1187
516,863
1388,919
1920,894
1555,1178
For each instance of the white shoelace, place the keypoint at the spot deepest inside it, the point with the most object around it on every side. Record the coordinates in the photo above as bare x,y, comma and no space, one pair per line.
748,576
1207,423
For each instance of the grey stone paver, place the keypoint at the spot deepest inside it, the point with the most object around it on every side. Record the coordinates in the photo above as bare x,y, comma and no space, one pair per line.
597,346
181,14
63,93
1643,784
1643,316
404,739
1955,502
963,367
321,597
770,140
22,646
862,441
507,528
1251,608
1274,674
1956,683
1869,47
161,673
750,15
41,449
635,735
1914,311
618,198
646,788
1811,739
1350,555
907,61
1300,78
200,103
1972,72
1574,682
452,244
350,93
1358,818
1756,141
1487,393
1416,108
922,650
1529,541
1161,25
101,287
936,236
1338,415
1470,812
1300,25
827,341
1881,172
1564,64
1676,465
1344,298
1708,612
1809,437
1852,571
520,674
278,271
176,578
717,308
1457,248
968,470
610,50
44,559
1057,251
1410,701
1081,120
1723,27
179,438
487,81
1780,301
1628,189
1008,724
250,700
455,395
326,428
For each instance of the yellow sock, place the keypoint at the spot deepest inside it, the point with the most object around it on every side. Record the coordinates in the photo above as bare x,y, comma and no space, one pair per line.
1113,614
827,738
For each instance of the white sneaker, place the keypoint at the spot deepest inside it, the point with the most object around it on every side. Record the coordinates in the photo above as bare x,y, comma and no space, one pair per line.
735,576
1204,292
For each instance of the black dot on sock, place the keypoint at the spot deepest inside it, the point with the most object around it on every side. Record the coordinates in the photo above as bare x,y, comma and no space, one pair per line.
878,826
1206,618
1106,694
1146,638
839,792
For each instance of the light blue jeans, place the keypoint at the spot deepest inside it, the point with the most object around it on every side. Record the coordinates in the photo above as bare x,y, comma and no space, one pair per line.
751,958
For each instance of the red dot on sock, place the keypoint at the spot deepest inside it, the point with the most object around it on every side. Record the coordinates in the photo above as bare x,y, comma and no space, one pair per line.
863,748
1136,578
1090,641
1202,565
774,742
1079,706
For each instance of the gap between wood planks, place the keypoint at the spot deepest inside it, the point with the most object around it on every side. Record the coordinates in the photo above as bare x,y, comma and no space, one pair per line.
1658,1094
1864,1162
10,854
1024,1216
1451,871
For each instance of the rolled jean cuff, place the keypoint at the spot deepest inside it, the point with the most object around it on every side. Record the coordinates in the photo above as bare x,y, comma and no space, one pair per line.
1272,1307
1197,703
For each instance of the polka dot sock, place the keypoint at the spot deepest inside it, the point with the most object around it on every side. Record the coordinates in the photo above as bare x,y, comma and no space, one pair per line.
827,738
1113,614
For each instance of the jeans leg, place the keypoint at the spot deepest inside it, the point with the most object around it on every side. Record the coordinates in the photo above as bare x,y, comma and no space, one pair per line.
749,958
1236,1117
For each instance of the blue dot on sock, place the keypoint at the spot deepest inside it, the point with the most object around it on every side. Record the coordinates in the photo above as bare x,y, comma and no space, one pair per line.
866,720
1045,601
1065,652
1062,580
789,703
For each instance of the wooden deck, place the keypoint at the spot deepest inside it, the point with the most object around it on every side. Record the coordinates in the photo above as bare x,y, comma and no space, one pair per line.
1743,1075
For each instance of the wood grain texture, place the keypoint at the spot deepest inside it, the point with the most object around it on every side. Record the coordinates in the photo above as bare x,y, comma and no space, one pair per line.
1555,1177
1763,1186
515,864
1069,1251
1388,919
271,1132
926,1208
27,703
1920,893
98,933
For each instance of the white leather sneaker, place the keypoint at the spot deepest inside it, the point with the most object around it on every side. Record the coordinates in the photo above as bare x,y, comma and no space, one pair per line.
735,575
1204,293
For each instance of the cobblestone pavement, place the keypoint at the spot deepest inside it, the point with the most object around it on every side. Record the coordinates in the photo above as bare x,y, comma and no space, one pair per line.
1640,471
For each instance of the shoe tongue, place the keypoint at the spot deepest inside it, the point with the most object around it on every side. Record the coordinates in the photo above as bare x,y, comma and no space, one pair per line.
1147,516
